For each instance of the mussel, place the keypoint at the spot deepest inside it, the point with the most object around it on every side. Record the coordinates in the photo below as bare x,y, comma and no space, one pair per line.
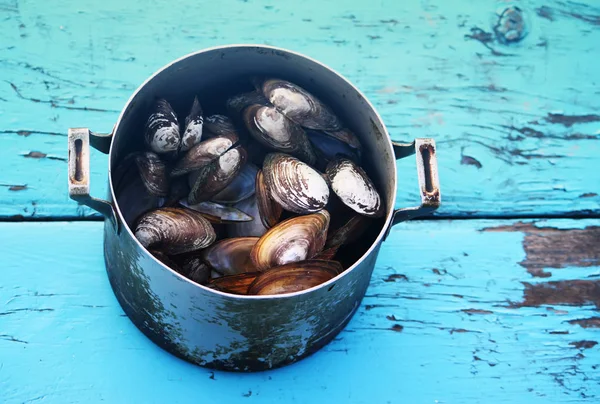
295,239
294,277
254,228
153,173
203,154
193,127
354,188
329,148
174,230
231,256
217,213
271,128
196,269
213,178
299,105
294,185
270,211
242,186
162,128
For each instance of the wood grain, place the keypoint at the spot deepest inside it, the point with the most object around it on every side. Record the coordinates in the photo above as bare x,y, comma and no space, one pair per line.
517,125
450,316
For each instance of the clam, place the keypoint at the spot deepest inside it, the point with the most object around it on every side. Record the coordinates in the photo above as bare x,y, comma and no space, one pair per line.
242,186
174,230
153,173
193,127
270,211
236,104
299,105
162,129
203,154
294,277
346,136
271,128
179,189
164,258
231,256
295,239
217,213
348,232
220,125
236,284
294,185
213,178
254,228
354,188
327,254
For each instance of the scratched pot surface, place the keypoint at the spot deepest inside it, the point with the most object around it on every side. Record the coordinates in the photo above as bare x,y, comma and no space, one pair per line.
467,322
518,123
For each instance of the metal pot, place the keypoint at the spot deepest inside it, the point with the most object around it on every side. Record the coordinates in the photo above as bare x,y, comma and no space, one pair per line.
220,330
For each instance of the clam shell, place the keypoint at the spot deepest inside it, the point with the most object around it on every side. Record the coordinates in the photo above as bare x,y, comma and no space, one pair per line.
195,269
294,185
162,128
242,186
354,188
217,213
131,193
165,259
294,277
271,128
203,154
174,230
193,127
299,105
231,256
236,284
296,239
254,228
329,148
153,173
346,136
327,254
270,211
213,178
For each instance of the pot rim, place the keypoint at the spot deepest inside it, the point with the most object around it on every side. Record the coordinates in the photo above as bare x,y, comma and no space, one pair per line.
390,209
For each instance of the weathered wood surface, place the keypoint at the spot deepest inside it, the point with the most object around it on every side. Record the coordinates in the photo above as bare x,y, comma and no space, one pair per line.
517,125
454,314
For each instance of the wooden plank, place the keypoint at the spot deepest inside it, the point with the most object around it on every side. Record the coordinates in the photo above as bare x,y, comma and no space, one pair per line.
452,315
517,126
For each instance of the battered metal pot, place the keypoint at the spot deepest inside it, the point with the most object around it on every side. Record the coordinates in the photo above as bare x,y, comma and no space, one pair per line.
215,329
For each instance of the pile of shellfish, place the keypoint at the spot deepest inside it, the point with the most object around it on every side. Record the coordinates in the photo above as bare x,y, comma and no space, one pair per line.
256,201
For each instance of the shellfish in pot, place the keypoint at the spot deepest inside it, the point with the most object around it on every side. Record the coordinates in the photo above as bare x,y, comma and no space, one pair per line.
217,213
242,186
294,185
174,230
270,211
254,228
236,284
193,127
231,256
295,239
162,128
294,277
203,154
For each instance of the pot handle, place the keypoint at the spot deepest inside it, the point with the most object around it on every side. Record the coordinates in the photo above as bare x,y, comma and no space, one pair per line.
79,170
429,183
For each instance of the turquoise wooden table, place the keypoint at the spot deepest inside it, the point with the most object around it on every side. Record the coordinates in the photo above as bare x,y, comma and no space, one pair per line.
494,299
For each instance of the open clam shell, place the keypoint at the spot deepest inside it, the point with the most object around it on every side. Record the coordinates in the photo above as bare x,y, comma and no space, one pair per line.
294,185
213,178
162,128
231,256
193,127
299,105
295,239
203,154
270,211
174,230
271,128
354,188
294,277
